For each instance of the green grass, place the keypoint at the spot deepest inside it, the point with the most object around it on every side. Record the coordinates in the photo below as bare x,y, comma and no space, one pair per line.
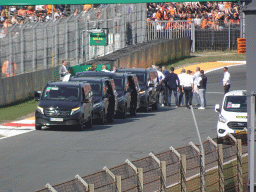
207,56
17,110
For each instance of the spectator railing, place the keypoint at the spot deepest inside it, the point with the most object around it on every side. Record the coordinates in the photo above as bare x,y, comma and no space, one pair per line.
41,45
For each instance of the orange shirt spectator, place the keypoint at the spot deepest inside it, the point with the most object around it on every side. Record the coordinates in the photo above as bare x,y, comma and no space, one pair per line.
22,12
86,7
204,24
5,68
49,8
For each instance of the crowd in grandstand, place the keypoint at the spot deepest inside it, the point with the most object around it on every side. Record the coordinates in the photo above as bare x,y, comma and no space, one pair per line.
214,15
11,15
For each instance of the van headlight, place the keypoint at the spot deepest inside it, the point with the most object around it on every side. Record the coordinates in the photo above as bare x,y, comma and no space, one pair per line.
74,110
222,119
143,92
40,109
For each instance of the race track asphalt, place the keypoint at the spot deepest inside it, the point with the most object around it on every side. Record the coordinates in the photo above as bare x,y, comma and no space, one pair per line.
56,155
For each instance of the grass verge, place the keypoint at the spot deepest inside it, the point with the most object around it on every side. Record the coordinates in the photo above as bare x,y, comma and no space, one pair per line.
17,110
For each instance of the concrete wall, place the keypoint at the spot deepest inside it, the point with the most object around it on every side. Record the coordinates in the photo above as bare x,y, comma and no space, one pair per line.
23,86
143,55
151,53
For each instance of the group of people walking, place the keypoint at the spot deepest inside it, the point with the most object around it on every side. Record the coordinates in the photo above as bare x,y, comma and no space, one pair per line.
186,83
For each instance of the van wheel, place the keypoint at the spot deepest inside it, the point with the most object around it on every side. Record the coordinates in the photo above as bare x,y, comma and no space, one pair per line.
38,127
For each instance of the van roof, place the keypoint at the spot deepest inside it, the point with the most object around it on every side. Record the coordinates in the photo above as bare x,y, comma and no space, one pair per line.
236,93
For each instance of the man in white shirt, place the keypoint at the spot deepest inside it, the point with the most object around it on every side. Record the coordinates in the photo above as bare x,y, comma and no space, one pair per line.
181,77
104,68
187,87
63,70
161,77
226,80
196,82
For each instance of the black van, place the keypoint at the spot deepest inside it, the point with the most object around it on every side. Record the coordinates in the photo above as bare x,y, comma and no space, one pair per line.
64,103
149,87
104,96
127,87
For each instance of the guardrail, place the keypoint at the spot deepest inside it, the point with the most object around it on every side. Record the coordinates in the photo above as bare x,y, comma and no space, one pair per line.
173,170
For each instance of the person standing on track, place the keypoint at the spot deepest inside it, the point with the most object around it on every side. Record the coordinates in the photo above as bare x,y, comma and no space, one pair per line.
173,82
226,80
202,81
181,77
165,92
187,88
196,82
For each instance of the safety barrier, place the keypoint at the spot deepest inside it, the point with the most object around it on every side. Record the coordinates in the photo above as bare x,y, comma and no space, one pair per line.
241,45
22,86
173,170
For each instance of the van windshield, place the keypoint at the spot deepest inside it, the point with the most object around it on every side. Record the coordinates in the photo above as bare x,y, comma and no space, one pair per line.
119,83
141,78
235,104
96,88
61,93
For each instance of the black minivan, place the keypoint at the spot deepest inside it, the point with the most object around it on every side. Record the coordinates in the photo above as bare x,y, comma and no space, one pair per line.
104,96
149,86
64,103
127,87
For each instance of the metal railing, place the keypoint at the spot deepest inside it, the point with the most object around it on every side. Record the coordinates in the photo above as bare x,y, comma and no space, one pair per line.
37,46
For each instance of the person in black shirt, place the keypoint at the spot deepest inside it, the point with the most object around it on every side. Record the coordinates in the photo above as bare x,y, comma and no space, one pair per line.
202,89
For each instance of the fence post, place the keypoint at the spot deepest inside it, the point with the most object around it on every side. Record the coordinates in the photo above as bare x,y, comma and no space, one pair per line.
140,179
139,173
201,166
105,25
22,67
77,41
117,179
162,167
193,37
113,15
220,167
67,29
34,46
239,165
83,182
229,34
10,53
45,45
183,173
163,176
118,183
91,188
50,188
